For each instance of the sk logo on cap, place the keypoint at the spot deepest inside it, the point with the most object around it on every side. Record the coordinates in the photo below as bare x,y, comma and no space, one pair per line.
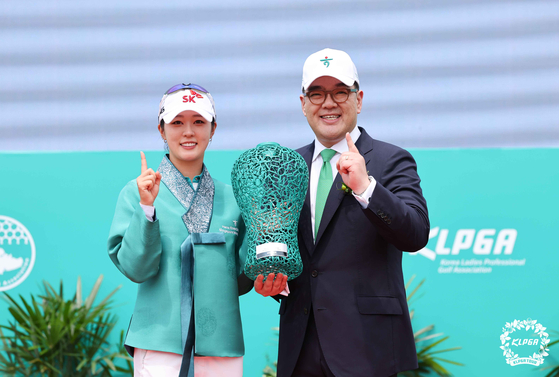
191,97
326,61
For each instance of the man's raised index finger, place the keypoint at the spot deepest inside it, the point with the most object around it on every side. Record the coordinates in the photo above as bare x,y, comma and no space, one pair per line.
350,145
144,162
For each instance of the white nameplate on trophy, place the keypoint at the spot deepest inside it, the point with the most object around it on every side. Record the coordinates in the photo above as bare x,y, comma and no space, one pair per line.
271,249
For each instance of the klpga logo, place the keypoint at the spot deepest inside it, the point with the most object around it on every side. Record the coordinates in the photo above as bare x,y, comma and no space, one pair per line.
537,347
484,242
472,251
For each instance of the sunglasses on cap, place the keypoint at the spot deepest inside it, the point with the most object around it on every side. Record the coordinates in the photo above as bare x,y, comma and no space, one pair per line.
178,87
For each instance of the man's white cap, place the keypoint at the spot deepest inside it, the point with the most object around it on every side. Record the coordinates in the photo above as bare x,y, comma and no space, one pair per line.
329,62
175,103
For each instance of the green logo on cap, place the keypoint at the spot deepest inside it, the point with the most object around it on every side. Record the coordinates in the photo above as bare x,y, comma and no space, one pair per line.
326,61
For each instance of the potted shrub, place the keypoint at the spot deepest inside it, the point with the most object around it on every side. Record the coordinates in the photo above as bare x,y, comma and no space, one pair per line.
50,336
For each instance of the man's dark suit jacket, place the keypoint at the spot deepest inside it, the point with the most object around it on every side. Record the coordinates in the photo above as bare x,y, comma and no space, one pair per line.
352,276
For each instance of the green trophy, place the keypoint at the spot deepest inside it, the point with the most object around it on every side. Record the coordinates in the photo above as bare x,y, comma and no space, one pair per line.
270,185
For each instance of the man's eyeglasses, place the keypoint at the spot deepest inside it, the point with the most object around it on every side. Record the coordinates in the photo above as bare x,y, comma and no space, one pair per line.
340,95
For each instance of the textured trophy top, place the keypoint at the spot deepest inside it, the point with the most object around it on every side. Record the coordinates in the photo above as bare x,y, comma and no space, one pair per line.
270,177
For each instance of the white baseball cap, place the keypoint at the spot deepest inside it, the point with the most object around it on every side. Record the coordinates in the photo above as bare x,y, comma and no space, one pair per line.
329,62
183,97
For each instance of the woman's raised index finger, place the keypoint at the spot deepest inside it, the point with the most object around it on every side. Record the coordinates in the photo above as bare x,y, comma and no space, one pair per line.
144,162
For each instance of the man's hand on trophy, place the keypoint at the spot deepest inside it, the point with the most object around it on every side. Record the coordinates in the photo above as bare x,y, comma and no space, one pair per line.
352,168
148,183
270,287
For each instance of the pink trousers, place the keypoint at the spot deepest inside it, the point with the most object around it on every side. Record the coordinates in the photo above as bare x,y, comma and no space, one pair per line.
164,364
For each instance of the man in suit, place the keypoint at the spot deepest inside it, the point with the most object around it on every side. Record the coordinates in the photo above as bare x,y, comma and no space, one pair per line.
346,314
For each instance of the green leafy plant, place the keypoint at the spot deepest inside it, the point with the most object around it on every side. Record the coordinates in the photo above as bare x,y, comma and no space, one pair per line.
554,368
51,336
271,371
426,358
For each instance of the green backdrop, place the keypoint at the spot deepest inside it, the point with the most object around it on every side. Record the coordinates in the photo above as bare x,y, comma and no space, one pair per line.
491,259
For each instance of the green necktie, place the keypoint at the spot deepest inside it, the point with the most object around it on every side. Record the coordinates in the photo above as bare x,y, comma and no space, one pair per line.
323,188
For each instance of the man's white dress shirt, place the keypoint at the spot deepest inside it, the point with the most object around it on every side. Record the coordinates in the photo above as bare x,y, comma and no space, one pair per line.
316,165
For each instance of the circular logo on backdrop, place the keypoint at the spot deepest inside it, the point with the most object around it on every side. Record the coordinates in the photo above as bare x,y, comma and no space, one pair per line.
17,253
532,344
